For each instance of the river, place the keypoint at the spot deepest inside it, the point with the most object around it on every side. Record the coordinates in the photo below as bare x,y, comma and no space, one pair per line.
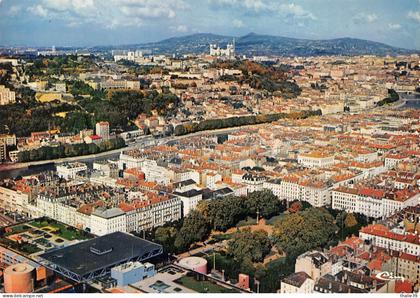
35,169
32,170
412,104
412,100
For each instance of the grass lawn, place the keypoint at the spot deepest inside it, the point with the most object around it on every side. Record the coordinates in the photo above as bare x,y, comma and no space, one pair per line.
221,237
63,231
204,286
18,229
69,233
29,248
224,262
277,262
72,235
39,224
249,221
272,221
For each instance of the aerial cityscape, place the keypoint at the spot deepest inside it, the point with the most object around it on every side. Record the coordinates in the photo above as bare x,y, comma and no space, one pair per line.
141,155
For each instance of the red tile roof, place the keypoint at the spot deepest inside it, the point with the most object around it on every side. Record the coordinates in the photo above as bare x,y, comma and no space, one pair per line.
382,231
95,137
403,286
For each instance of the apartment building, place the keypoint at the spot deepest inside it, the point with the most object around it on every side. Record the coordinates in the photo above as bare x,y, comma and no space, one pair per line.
8,140
70,170
154,212
3,152
291,189
298,282
314,263
375,203
102,129
405,265
394,239
105,221
315,159
6,96
14,200
190,200
392,160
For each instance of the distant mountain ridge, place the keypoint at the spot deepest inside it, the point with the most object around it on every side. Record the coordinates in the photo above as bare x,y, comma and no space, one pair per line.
258,44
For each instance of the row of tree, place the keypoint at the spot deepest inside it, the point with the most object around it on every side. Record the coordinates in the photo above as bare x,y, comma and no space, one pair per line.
69,150
212,124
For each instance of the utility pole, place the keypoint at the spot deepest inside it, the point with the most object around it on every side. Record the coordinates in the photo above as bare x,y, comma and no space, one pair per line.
257,283
258,213
214,260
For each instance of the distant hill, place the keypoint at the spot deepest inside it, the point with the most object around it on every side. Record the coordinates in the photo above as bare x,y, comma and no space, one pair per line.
257,44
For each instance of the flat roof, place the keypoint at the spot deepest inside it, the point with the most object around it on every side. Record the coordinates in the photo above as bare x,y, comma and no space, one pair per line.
100,253
189,193
107,213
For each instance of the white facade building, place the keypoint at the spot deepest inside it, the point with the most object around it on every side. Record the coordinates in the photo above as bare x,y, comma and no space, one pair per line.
211,179
312,160
298,282
6,96
152,214
315,193
370,202
392,160
190,200
14,200
104,221
9,140
382,236
102,130
183,175
69,170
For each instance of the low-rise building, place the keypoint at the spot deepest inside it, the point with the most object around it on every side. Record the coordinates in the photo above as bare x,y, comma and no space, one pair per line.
69,170
8,139
316,159
298,282
314,263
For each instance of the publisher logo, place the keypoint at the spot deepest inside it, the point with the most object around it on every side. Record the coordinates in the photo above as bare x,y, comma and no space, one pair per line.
384,275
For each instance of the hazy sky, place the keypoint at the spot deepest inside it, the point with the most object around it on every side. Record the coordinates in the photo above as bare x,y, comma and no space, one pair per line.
105,22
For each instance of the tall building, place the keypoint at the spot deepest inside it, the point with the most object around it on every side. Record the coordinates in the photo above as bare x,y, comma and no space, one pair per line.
102,130
2,151
6,96
6,140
